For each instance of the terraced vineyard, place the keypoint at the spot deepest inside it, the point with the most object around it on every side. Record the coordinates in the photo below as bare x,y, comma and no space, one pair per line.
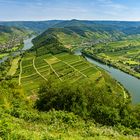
63,66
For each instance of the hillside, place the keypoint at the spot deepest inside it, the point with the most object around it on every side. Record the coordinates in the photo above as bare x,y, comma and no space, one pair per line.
11,39
8,32
40,26
74,34
63,96
124,36
123,55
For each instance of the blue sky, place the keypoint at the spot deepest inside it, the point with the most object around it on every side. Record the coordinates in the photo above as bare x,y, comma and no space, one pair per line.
69,9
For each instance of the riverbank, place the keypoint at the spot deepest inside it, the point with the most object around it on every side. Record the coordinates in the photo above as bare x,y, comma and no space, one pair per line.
129,82
110,64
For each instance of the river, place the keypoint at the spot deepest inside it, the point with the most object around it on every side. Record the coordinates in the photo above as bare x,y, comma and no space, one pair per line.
131,83
27,45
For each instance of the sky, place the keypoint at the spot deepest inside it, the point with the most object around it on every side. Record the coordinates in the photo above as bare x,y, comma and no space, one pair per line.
28,10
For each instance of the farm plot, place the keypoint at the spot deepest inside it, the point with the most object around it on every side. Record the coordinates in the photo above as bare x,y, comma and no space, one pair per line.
64,66
29,78
68,58
14,66
76,65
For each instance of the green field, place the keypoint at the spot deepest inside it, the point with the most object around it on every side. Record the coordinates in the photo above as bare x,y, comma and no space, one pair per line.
125,55
14,66
61,67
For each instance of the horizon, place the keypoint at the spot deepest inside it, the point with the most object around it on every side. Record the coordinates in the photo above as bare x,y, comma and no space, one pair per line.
97,10
69,20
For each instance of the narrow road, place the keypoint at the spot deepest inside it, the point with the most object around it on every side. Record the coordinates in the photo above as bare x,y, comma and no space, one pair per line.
72,67
53,70
38,71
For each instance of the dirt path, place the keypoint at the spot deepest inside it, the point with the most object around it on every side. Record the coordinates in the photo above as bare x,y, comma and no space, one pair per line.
38,71
53,70
72,67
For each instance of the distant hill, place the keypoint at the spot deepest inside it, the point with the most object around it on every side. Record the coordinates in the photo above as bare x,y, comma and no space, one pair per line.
7,33
100,25
75,33
40,26
10,30
37,26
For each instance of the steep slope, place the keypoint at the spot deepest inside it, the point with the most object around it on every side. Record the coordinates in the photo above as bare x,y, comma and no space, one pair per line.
48,42
74,34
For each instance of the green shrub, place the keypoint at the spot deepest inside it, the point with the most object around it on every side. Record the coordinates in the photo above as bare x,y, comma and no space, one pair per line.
62,96
105,115
87,101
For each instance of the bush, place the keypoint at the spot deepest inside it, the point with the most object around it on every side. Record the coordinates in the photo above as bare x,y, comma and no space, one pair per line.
62,96
87,101
105,115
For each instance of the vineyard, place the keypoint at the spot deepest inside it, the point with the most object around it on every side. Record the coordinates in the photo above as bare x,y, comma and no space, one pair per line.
34,70
62,67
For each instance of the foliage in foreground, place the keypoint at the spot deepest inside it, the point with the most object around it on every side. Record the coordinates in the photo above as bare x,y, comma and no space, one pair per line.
20,121
88,101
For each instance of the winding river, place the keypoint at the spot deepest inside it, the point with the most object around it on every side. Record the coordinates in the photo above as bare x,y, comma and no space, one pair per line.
131,83
27,45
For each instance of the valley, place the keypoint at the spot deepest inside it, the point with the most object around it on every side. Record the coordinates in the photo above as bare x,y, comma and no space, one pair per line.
51,91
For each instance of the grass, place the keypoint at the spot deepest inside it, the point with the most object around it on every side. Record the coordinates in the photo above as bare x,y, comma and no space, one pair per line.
57,125
14,66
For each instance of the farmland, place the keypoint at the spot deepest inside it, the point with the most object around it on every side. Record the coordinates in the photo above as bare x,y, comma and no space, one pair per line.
121,54
62,67
14,66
